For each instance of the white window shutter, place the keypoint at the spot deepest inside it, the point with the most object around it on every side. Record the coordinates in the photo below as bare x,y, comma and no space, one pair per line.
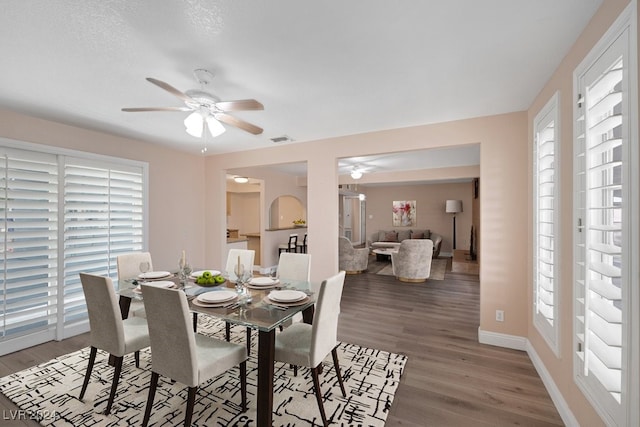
545,214
605,200
29,204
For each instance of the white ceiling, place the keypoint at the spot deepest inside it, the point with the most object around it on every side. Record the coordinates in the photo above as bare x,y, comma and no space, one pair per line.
320,68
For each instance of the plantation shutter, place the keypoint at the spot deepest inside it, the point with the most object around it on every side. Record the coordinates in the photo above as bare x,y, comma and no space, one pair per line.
545,217
29,211
103,218
604,196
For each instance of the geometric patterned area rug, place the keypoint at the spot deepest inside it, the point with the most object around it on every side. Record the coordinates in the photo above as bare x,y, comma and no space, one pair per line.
50,390
438,268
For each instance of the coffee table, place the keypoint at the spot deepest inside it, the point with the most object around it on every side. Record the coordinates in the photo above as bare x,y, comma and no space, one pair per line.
384,254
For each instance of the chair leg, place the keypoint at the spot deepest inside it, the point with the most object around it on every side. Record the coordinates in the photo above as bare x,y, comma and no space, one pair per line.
243,385
336,366
248,341
316,386
152,393
227,331
195,322
295,370
191,400
136,355
114,383
92,359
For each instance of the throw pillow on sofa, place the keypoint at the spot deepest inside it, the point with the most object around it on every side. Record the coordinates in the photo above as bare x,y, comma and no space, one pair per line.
390,236
421,234
404,235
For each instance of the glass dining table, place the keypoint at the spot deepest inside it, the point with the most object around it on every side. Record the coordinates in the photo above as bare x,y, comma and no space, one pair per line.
259,314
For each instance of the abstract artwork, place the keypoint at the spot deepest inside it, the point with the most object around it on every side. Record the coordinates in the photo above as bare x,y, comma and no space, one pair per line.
404,213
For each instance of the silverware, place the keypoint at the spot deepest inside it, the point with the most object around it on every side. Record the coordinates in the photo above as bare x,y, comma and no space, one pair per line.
278,307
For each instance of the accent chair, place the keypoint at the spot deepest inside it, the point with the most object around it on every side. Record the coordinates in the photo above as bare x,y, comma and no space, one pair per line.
412,262
352,260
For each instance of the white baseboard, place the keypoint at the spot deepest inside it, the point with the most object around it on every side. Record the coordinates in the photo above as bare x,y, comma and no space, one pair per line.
521,343
558,400
502,340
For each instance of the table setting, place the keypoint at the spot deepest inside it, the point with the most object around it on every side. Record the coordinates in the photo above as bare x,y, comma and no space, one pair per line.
286,298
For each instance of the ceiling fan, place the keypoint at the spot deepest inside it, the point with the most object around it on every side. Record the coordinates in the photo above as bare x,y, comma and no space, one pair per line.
206,109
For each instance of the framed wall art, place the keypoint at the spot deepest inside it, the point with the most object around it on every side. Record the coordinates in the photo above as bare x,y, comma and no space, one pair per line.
404,213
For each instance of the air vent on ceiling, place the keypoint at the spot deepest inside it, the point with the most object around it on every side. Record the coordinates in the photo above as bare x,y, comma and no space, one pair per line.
283,138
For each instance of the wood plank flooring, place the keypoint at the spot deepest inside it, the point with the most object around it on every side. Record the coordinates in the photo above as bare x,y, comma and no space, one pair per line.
450,379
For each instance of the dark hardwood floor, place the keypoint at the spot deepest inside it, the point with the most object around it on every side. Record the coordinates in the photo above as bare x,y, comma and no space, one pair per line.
449,380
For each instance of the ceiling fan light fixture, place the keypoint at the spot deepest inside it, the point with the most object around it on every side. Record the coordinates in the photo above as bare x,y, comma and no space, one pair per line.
241,179
356,174
194,124
215,127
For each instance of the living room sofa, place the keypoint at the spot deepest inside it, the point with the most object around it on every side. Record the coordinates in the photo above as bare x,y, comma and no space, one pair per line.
392,238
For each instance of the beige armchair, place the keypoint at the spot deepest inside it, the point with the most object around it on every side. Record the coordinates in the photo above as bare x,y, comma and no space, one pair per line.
412,263
352,260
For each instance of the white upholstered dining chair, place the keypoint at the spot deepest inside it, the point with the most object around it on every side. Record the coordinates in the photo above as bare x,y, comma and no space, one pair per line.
247,257
294,267
183,355
108,331
129,268
307,345
129,264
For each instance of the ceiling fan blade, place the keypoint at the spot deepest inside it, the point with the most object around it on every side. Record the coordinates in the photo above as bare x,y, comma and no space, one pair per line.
140,109
240,105
170,89
233,121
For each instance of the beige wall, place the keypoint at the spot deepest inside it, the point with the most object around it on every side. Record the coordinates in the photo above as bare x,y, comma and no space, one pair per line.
503,192
274,185
430,202
179,213
244,212
561,368
176,208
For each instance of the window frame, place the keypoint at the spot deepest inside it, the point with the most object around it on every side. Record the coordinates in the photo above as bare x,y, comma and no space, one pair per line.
548,114
626,412
58,330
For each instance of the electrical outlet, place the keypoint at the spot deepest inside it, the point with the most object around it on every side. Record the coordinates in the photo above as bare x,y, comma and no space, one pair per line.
500,315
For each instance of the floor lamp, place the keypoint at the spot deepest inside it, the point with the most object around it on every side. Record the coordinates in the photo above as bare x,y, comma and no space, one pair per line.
454,207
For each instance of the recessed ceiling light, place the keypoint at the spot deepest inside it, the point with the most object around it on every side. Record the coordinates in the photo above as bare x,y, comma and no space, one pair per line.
241,179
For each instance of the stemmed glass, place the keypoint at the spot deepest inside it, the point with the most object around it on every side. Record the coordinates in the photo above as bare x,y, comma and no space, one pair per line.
243,276
144,267
183,274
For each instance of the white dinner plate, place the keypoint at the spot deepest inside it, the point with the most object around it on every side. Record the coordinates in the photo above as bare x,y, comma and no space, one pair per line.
196,274
156,284
263,281
154,275
161,284
287,295
217,296
213,304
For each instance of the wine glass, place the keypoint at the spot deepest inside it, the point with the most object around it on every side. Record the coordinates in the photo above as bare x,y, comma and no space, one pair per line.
239,272
273,273
144,267
183,275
